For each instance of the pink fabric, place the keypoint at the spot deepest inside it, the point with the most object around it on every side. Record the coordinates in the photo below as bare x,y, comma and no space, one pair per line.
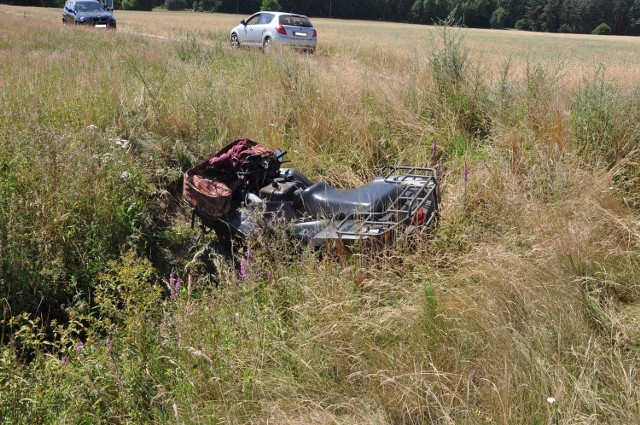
237,153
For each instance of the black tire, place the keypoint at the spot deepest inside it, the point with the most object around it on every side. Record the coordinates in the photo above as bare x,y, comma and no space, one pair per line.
234,40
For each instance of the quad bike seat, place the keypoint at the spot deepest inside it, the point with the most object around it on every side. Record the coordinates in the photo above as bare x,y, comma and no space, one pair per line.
322,200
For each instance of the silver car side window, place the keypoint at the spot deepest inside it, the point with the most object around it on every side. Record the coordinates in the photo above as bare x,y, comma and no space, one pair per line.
265,19
254,20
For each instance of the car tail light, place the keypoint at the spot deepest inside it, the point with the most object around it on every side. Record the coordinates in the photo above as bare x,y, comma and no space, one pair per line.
315,34
281,30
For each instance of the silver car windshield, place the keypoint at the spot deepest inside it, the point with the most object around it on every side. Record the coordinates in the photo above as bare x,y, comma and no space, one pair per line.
88,7
293,20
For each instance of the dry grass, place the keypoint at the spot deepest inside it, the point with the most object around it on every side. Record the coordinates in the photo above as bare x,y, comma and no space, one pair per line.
528,290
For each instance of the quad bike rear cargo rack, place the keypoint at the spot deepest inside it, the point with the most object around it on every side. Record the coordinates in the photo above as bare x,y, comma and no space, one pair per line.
417,205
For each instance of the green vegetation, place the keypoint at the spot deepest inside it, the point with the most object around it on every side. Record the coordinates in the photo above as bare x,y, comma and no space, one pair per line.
270,5
602,29
522,307
137,4
175,5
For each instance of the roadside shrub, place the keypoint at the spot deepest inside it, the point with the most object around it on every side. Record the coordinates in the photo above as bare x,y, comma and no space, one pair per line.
450,64
602,29
416,13
458,88
522,25
499,18
138,4
271,5
175,4
206,5
604,121
126,297
566,28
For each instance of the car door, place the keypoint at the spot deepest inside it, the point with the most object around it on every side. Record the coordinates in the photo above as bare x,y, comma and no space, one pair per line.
249,35
66,13
263,26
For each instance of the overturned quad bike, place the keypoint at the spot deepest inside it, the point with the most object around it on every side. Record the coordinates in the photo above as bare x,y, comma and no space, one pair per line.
244,184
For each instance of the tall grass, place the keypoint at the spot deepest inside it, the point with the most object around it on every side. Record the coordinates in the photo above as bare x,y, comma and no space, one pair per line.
527,292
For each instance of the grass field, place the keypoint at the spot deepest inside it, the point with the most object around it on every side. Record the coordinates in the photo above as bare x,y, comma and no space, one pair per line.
397,46
522,307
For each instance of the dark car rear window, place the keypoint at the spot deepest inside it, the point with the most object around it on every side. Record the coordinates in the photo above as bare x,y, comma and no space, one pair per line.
293,20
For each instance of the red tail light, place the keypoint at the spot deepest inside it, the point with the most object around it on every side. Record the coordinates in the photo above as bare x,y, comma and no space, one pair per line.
420,217
281,30
315,34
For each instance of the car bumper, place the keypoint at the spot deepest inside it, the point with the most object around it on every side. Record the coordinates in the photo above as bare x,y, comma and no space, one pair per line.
298,43
98,24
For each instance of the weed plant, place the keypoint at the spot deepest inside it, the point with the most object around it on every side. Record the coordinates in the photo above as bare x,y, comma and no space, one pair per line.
522,307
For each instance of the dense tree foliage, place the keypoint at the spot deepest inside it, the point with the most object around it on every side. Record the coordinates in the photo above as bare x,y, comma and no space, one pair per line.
270,5
137,4
579,16
583,16
205,5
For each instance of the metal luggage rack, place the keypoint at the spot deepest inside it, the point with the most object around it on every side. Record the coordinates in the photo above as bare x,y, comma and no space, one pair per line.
419,190
393,174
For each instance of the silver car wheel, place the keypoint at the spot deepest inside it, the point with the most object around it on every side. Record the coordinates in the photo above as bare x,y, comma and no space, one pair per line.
234,40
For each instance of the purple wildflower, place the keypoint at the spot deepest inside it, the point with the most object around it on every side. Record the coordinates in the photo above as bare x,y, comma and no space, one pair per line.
174,285
65,360
79,347
107,342
244,269
435,149
245,264
172,281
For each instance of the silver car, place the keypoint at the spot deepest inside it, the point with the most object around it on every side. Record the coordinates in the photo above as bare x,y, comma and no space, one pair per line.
264,29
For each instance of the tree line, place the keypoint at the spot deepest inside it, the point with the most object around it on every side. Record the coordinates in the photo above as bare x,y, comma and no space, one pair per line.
571,16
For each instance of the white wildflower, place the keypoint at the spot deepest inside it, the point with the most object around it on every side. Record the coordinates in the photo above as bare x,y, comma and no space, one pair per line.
125,175
92,127
123,143
551,400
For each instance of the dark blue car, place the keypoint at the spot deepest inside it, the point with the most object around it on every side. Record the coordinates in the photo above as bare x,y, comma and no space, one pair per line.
88,12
